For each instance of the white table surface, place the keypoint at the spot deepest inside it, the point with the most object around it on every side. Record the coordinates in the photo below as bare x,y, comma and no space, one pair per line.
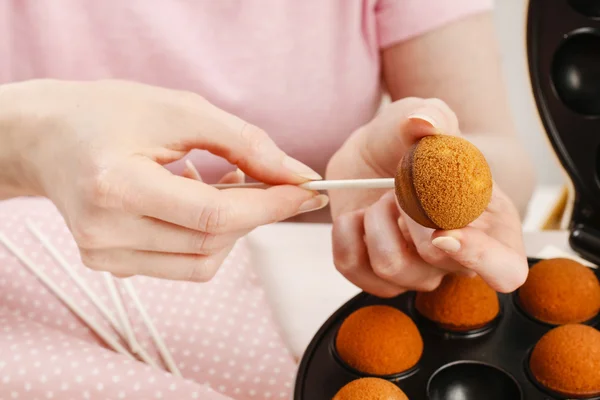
295,264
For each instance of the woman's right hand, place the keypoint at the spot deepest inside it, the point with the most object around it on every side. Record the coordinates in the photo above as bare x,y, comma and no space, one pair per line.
98,150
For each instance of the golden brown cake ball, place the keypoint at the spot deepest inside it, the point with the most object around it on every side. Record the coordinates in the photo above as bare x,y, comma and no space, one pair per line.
560,291
443,182
459,303
370,389
566,360
379,340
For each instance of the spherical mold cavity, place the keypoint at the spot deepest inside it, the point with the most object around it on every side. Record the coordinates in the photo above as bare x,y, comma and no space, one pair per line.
428,325
360,374
576,72
472,380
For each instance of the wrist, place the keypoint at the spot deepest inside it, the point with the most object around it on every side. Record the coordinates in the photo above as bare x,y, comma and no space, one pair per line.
18,136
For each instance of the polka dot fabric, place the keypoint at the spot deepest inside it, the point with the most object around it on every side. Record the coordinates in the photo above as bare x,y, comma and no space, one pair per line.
221,334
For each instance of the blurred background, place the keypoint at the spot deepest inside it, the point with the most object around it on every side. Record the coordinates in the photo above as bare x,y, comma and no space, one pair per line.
510,21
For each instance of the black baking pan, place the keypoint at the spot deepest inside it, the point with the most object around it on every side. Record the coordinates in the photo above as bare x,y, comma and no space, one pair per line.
563,48
487,364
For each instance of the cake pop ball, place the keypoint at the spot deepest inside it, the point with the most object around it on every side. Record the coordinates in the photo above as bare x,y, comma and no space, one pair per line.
443,182
460,303
370,389
560,291
566,360
379,340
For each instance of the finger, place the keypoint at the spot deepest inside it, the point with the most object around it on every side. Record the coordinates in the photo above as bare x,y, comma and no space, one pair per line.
505,222
186,173
421,237
404,230
191,172
391,257
149,234
438,259
236,176
450,265
502,267
145,188
185,267
351,258
209,128
399,126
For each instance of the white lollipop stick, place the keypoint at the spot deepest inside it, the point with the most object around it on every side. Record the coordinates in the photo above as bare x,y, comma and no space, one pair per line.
75,277
378,183
160,344
127,333
125,324
108,339
116,300
193,170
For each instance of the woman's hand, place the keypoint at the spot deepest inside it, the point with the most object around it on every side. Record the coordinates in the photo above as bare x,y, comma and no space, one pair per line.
98,151
382,250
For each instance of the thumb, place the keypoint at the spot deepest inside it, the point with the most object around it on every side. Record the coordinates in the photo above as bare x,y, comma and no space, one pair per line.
242,144
399,126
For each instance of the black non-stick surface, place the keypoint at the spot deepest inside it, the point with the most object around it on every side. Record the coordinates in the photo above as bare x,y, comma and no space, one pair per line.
563,51
505,347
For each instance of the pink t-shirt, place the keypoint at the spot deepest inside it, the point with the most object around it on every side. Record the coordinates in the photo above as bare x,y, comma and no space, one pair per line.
308,72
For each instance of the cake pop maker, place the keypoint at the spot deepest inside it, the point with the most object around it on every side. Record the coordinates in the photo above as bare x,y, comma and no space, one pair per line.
512,353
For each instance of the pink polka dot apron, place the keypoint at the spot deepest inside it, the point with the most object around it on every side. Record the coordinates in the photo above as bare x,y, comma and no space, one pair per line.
221,336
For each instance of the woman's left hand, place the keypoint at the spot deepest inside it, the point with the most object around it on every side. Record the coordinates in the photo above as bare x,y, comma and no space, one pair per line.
380,249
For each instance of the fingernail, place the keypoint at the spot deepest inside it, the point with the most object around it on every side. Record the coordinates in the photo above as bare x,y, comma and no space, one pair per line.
423,118
300,169
401,223
446,243
241,175
316,203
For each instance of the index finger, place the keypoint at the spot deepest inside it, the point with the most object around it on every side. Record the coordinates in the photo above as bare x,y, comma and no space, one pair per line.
147,189
400,125
195,123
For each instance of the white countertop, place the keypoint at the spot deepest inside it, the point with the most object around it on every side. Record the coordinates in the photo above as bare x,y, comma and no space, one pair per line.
295,264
